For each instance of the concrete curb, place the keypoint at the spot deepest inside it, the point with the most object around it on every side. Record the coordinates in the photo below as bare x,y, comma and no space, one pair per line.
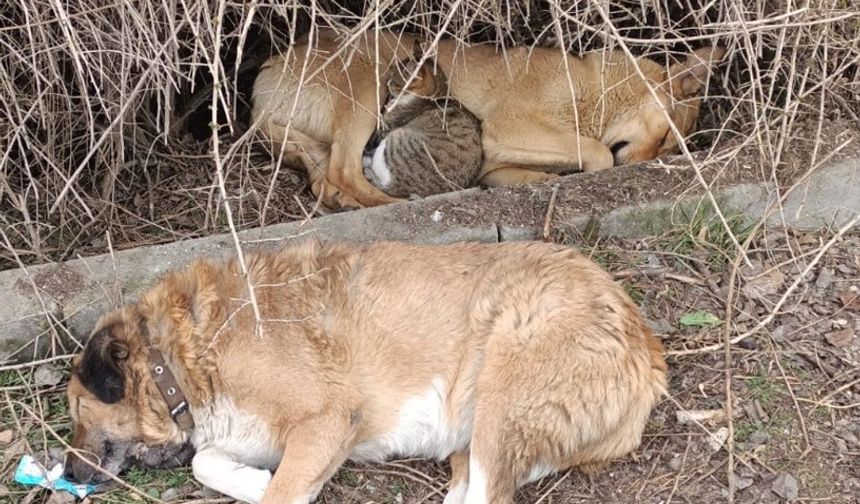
47,306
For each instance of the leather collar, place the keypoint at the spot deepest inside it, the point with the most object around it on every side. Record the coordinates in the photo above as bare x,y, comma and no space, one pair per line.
166,382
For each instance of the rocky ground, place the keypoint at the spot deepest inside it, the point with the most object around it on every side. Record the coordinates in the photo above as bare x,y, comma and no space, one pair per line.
790,384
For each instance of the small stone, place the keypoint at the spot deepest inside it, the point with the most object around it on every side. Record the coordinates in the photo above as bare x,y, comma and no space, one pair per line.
205,492
675,463
6,437
60,498
170,494
718,438
825,278
758,437
741,483
785,485
749,344
436,216
47,376
779,332
652,261
660,326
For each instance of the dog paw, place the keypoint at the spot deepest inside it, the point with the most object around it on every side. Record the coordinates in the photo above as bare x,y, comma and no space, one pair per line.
252,486
602,159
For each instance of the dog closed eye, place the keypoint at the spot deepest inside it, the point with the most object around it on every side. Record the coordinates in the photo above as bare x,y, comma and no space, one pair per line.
617,146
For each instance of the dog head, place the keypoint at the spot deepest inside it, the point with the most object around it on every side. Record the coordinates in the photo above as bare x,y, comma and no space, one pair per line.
118,415
639,130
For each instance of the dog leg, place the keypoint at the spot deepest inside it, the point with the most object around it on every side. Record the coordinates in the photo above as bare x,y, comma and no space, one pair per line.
299,148
540,146
459,483
515,175
345,183
314,450
219,471
489,481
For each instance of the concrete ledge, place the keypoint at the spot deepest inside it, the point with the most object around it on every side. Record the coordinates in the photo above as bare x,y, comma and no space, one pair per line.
48,306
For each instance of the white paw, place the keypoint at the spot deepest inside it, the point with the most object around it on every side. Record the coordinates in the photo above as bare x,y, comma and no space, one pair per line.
251,485
456,494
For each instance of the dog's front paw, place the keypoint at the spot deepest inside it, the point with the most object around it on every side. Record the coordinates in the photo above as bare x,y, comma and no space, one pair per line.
253,486
601,159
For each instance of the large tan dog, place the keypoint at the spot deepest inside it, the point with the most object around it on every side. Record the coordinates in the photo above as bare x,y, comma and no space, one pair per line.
543,112
512,361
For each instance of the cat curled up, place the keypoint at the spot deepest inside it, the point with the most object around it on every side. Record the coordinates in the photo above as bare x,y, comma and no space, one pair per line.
428,142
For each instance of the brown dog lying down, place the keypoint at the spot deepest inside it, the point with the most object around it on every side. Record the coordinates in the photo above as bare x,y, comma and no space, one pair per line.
513,361
319,107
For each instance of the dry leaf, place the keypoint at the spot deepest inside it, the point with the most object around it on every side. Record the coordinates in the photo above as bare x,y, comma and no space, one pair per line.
764,285
850,300
19,447
841,338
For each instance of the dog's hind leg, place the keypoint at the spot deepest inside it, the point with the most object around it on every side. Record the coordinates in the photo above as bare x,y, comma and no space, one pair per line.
491,477
459,478
219,471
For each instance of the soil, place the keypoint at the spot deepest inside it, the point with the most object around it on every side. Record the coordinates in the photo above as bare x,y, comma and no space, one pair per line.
794,388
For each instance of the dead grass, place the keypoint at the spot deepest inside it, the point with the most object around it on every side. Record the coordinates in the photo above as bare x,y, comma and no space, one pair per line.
111,132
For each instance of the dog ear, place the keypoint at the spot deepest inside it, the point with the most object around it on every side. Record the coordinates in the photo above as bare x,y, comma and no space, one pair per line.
100,369
688,78
417,51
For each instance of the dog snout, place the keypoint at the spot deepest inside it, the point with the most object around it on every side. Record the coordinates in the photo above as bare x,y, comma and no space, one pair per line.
78,470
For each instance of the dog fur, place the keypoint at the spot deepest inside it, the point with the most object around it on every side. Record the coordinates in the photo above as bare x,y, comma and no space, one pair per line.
513,361
318,105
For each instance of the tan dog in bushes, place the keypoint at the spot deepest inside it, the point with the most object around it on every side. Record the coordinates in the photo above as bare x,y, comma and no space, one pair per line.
512,361
319,107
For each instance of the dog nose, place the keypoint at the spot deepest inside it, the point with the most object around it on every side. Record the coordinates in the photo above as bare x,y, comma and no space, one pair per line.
69,472
77,471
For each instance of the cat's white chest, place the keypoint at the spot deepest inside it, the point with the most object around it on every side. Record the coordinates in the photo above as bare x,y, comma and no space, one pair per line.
241,434
375,168
423,429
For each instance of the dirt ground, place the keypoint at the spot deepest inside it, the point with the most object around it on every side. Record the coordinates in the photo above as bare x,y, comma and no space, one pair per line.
794,429
174,197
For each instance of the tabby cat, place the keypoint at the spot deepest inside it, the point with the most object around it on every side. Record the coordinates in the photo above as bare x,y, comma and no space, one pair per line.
428,143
